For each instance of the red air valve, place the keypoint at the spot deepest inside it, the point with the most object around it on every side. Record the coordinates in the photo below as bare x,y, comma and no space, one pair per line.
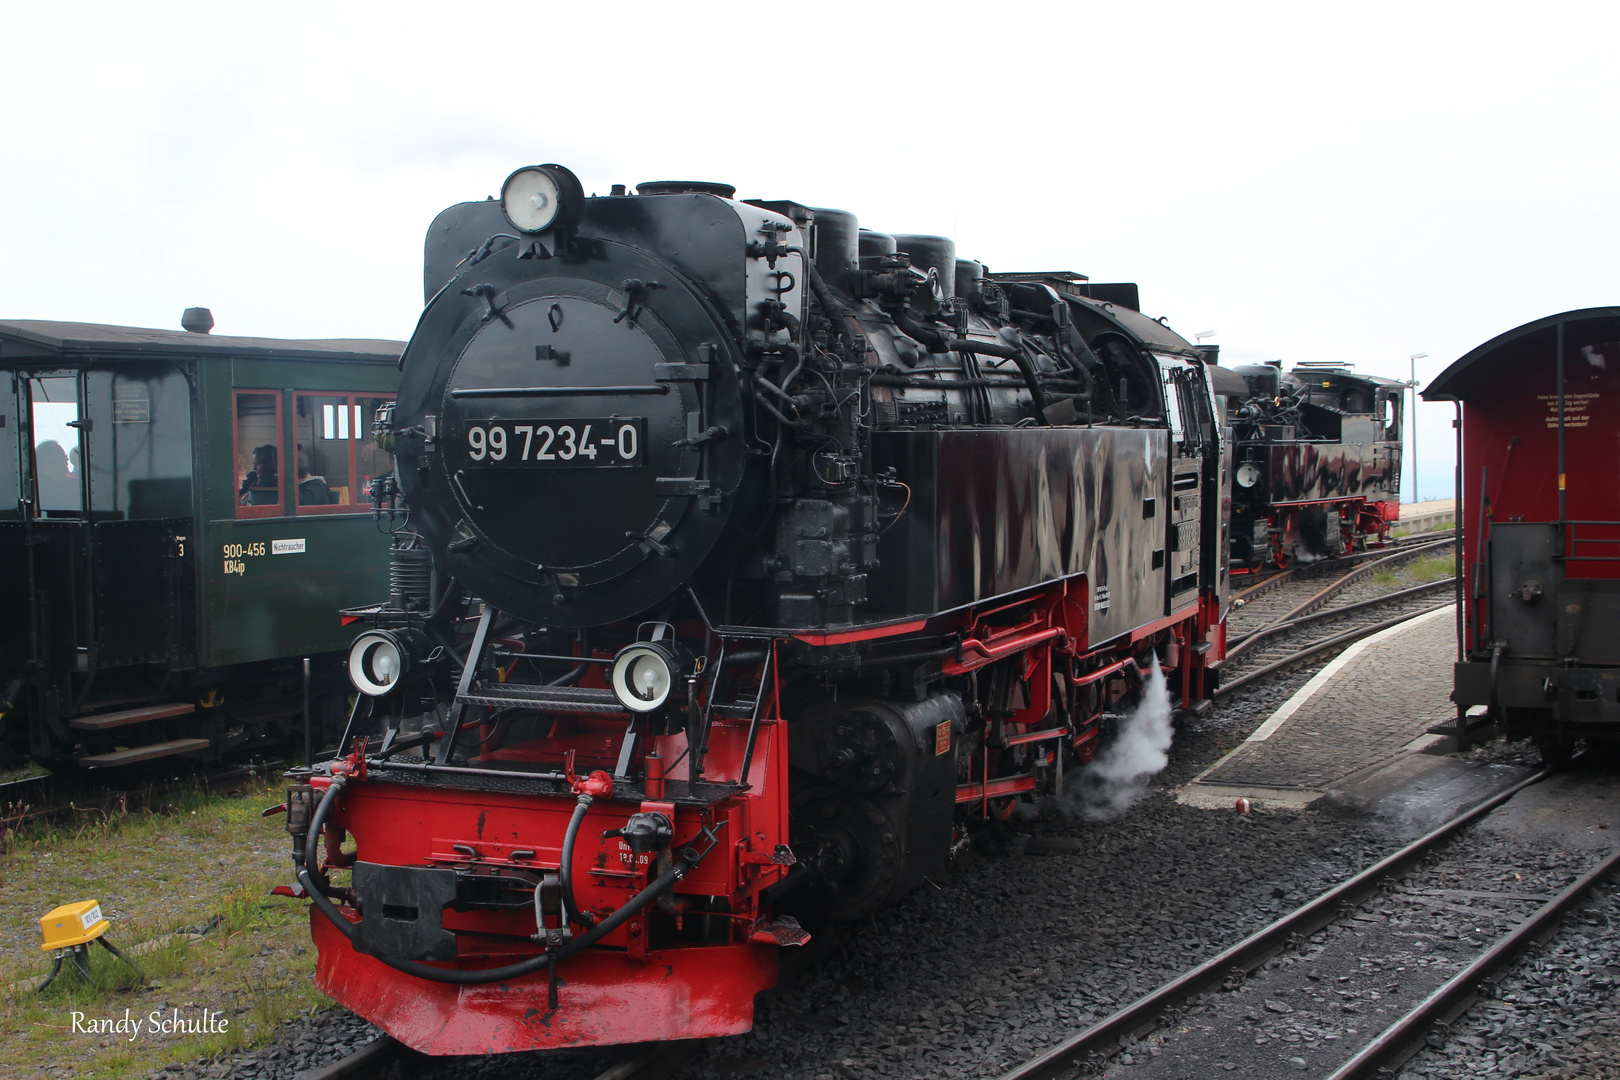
598,785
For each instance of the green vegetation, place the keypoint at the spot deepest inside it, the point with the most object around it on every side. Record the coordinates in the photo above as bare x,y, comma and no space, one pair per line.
1431,568
207,857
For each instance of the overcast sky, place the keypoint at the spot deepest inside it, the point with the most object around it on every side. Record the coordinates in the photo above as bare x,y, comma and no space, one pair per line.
1349,182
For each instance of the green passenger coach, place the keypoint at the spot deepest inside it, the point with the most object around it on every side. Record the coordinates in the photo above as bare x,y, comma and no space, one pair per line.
181,518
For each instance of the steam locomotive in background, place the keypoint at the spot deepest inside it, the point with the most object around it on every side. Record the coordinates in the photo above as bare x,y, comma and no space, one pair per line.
744,558
1317,461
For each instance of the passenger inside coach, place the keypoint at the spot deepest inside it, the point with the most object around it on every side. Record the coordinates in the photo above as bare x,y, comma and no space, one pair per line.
58,485
312,490
260,486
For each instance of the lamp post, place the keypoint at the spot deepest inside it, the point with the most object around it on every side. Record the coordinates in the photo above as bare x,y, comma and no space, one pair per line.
1413,359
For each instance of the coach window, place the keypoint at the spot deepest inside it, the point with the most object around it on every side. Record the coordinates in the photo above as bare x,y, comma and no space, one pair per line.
1391,417
11,466
336,458
260,454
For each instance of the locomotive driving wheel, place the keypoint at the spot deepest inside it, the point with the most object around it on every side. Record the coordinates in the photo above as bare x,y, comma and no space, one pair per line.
1557,748
857,848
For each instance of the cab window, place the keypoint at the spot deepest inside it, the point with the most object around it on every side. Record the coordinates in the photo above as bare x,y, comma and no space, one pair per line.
260,454
335,456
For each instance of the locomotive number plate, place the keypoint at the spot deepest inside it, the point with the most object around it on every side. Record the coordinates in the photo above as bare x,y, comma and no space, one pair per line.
576,443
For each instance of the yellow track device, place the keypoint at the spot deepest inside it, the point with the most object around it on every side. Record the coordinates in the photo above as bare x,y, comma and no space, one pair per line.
69,930
73,924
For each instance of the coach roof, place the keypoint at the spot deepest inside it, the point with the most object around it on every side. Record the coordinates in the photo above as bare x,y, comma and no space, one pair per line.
27,338
1456,381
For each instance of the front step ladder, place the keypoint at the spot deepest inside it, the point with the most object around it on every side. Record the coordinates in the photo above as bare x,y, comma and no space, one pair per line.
128,717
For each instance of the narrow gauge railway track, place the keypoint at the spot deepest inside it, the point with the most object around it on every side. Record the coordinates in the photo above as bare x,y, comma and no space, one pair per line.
29,787
377,1058
1264,583
17,812
1295,593
370,1062
1380,1055
1269,644
1279,655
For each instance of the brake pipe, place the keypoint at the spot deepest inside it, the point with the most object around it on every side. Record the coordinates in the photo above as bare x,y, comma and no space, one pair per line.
690,858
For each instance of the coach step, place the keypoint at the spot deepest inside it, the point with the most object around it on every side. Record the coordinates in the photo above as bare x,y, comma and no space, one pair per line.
143,753
126,717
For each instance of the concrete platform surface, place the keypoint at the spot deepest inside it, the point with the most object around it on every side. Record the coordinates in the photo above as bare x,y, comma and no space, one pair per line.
1371,706
1419,792
1570,811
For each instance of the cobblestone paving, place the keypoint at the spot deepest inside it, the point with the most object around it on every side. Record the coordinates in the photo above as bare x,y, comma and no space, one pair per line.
1387,695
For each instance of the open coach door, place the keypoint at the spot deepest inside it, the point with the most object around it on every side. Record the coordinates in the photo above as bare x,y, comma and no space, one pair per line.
95,491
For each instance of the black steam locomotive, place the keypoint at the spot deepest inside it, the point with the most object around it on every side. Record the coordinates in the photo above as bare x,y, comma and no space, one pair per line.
1317,461
750,556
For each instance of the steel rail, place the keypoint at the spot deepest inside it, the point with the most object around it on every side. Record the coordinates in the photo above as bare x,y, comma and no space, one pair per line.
1264,585
1319,647
374,1054
1254,950
1247,641
640,1063
123,799
1404,1037
1323,595
1402,547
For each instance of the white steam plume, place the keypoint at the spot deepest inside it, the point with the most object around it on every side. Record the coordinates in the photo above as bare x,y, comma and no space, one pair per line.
1118,776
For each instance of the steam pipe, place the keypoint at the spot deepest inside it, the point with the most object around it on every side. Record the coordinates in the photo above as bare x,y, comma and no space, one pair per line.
824,296
938,342
1026,367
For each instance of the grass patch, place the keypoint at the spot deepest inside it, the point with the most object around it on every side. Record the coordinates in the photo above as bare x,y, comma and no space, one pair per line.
1431,568
1386,578
210,856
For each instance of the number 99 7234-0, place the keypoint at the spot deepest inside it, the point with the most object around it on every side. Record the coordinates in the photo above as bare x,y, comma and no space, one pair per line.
579,443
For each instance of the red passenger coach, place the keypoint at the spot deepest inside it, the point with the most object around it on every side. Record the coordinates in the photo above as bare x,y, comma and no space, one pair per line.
1539,508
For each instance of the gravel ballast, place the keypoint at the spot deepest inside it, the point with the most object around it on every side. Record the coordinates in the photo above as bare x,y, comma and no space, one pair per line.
1051,923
